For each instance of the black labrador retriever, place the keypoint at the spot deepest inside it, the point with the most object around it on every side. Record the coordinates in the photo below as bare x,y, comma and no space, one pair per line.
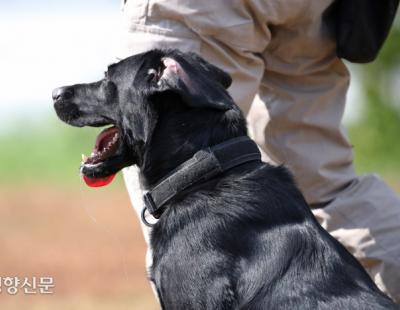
233,232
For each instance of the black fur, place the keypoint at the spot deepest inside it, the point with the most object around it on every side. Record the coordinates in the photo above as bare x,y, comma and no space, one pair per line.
243,240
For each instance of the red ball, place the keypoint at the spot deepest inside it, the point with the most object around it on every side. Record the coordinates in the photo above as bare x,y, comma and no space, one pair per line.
98,182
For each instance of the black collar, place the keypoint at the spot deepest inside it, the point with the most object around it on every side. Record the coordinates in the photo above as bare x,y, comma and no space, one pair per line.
204,165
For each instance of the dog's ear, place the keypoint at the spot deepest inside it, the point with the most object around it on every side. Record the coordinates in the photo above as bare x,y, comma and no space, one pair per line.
214,72
200,84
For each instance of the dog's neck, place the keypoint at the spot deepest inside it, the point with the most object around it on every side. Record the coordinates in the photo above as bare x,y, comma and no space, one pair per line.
180,133
202,167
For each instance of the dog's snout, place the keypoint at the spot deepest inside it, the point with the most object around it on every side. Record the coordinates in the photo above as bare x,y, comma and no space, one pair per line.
63,93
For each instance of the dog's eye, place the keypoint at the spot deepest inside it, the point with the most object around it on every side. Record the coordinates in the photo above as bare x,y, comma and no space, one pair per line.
152,74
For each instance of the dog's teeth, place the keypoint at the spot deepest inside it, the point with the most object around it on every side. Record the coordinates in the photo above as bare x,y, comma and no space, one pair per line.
84,157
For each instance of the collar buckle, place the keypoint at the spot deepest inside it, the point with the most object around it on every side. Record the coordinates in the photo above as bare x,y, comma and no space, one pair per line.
150,205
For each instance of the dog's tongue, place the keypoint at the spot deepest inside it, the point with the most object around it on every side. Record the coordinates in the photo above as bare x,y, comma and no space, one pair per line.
98,182
105,146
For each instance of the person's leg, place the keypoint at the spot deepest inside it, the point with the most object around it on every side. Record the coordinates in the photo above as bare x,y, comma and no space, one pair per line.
304,88
365,217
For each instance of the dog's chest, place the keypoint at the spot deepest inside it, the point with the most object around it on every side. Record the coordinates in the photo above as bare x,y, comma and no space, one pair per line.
189,273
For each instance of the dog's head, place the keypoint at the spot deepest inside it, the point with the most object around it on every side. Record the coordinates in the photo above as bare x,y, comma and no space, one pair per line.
160,101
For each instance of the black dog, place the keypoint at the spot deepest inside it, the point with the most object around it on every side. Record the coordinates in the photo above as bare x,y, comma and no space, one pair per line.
239,236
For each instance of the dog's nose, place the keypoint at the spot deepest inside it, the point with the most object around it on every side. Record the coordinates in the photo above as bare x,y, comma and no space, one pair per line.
63,93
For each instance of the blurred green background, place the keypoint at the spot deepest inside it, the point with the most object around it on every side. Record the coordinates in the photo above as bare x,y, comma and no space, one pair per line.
89,240
51,150
375,133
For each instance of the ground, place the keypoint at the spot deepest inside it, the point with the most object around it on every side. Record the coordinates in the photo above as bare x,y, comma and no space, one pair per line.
88,240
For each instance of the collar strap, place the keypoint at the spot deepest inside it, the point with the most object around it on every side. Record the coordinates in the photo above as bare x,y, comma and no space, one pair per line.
204,165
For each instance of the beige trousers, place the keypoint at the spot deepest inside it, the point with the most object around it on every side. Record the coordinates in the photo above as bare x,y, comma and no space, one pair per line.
281,50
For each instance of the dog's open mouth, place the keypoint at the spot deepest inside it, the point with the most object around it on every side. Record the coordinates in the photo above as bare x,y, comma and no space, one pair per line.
105,148
106,145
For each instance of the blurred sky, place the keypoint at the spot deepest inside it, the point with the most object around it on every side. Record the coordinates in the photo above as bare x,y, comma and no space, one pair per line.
49,43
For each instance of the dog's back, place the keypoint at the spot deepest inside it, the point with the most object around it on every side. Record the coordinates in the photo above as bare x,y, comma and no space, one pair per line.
249,241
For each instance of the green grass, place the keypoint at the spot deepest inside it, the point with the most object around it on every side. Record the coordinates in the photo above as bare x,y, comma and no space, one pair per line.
50,152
